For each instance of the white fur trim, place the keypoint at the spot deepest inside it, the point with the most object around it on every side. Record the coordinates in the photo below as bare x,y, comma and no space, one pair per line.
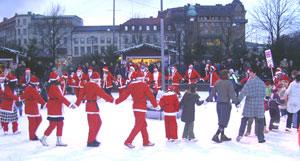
169,93
170,113
139,110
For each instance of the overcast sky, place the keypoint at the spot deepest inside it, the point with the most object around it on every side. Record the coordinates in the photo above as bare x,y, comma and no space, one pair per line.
99,12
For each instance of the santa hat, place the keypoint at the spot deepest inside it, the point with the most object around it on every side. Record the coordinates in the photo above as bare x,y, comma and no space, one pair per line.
279,69
65,75
249,70
13,79
2,76
285,77
212,68
95,76
146,68
90,69
27,70
278,72
174,67
79,68
53,76
105,68
191,65
229,59
34,80
140,75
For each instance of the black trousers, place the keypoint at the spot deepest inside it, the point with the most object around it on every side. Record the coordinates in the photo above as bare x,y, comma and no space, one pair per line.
260,127
275,117
108,91
290,120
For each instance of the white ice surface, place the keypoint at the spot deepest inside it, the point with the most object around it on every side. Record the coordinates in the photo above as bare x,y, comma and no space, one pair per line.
117,122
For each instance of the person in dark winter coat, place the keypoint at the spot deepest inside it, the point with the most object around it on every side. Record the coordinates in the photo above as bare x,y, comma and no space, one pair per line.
188,101
225,91
274,101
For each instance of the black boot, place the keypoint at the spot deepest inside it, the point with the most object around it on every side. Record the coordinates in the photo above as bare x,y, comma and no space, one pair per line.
216,139
93,144
225,138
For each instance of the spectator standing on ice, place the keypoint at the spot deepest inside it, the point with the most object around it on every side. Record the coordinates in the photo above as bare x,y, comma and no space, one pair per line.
255,92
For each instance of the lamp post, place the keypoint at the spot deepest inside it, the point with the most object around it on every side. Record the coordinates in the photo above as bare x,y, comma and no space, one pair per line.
162,47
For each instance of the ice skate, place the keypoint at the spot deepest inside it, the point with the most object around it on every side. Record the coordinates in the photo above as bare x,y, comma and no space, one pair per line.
44,140
93,144
216,139
149,144
247,134
17,132
225,138
59,142
35,139
238,139
5,133
129,145
193,140
288,130
175,141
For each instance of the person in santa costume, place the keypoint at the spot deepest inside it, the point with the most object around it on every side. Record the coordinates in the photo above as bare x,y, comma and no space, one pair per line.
107,81
8,111
89,74
156,81
213,77
32,98
170,103
148,76
63,83
281,79
91,92
78,81
7,74
175,77
25,79
246,76
55,110
121,84
192,75
131,75
2,78
139,92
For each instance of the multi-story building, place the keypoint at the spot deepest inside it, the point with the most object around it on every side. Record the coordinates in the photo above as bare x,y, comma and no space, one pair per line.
23,29
87,40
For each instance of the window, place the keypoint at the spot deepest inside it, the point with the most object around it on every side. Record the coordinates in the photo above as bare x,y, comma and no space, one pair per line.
108,40
205,31
154,39
88,40
213,24
96,50
76,51
147,27
82,40
82,50
115,40
201,18
217,24
126,28
19,41
201,24
19,22
133,39
75,40
154,27
205,18
140,28
25,41
213,18
95,40
89,50
24,22
65,40
24,31
132,28
102,40
206,24
169,28
148,39
102,49
19,31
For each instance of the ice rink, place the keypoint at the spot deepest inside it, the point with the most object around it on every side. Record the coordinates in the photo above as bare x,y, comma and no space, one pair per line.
118,121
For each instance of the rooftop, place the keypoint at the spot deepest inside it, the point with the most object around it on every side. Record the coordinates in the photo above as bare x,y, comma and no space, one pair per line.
94,28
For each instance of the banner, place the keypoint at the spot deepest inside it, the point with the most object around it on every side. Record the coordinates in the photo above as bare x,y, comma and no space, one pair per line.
269,58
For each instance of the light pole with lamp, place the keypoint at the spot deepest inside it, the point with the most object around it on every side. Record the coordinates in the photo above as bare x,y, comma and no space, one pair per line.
162,37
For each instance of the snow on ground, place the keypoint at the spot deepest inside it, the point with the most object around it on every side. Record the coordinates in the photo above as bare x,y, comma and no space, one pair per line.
117,122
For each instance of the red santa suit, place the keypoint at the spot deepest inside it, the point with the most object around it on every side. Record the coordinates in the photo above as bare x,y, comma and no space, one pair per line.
107,80
63,83
156,80
121,85
281,79
8,112
32,98
131,75
213,77
169,102
25,79
92,92
78,81
88,75
55,107
139,92
245,79
192,75
175,77
148,76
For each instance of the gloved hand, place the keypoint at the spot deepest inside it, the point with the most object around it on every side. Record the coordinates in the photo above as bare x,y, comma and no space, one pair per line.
205,102
238,105
202,80
157,108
